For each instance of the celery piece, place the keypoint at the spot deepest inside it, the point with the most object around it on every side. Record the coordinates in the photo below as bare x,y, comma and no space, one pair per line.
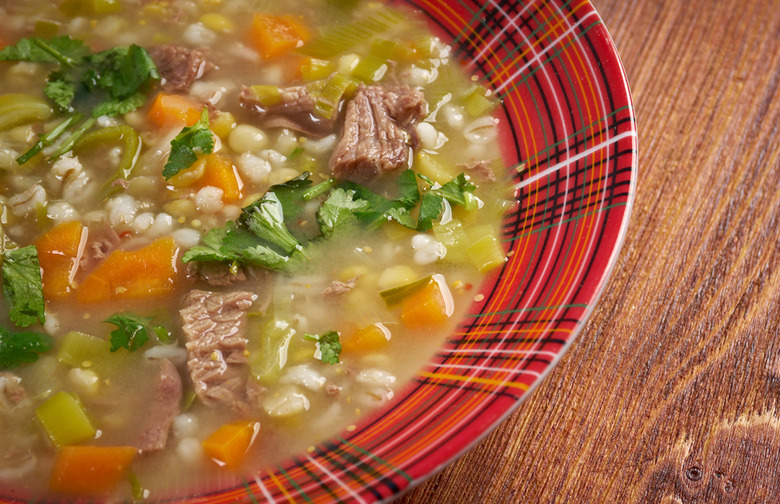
397,294
270,356
390,50
370,68
339,39
485,250
454,238
338,86
64,419
314,69
428,165
46,29
479,101
81,350
267,95
18,108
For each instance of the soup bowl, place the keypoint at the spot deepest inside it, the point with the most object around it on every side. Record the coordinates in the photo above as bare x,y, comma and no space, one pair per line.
568,140
568,136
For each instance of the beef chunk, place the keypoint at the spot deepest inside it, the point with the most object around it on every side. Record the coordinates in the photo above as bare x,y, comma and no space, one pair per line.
214,325
11,389
337,288
481,169
295,110
164,408
378,128
179,66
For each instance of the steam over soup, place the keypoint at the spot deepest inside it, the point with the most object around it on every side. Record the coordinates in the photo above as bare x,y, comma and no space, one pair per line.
228,230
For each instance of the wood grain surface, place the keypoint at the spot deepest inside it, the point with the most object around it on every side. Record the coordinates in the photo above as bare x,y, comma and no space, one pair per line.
670,394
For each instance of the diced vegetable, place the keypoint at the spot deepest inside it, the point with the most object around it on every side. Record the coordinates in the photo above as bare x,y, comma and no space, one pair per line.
370,68
59,254
229,444
222,173
453,236
479,101
485,250
429,166
75,8
395,295
114,134
314,68
16,109
143,273
90,470
274,36
267,94
429,307
64,419
269,354
169,110
370,338
341,38
78,349
337,87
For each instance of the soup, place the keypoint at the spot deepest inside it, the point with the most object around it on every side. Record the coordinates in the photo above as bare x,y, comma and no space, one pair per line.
229,229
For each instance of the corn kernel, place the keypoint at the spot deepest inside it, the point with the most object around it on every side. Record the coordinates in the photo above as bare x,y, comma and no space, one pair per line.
216,22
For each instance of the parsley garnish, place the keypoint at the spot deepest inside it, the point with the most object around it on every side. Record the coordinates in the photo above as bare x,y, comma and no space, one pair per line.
259,238
328,344
185,148
21,347
22,286
111,82
132,331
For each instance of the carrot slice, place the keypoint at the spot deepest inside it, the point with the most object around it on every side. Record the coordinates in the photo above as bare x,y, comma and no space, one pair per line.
169,110
90,470
143,273
221,172
59,253
229,444
428,307
277,35
366,339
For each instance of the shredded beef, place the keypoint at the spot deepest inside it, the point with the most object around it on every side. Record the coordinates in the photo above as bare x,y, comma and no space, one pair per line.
481,169
378,131
295,110
164,408
214,325
179,66
337,288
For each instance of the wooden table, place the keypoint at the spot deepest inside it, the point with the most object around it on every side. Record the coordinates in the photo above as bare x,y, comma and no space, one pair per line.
670,394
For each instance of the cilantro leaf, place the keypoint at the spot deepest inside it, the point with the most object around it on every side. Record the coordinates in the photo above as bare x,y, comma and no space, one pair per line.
22,347
339,211
458,191
328,345
210,249
187,144
265,219
132,331
121,71
290,194
430,210
22,286
66,50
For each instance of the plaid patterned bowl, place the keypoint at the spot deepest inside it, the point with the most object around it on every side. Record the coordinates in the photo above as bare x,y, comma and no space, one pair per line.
568,134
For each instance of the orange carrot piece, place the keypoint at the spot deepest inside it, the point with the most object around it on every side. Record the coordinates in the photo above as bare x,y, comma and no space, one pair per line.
428,307
366,339
143,273
229,444
169,110
59,253
90,470
274,36
221,172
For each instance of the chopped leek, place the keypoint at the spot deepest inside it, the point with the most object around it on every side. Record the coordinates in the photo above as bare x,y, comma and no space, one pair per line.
81,350
370,68
65,420
429,166
267,94
395,295
485,250
337,86
344,37
479,101
270,355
